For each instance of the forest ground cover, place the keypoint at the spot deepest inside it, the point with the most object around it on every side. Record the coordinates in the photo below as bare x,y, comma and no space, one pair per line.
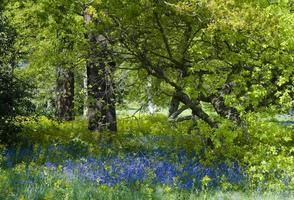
149,158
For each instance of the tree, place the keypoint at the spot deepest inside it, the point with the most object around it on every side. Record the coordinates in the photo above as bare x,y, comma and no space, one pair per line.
100,85
235,56
50,35
65,81
65,94
55,35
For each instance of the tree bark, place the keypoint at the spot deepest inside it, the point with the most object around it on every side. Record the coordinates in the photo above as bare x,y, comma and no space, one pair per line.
65,94
173,106
85,106
218,103
100,85
225,111
196,108
101,99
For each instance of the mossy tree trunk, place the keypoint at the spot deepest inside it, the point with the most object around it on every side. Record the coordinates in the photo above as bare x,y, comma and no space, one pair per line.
65,94
100,84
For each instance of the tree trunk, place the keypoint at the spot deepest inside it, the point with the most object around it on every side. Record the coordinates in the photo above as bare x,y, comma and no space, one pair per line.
174,106
85,106
65,94
151,106
225,111
100,85
101,107
218,103
196,108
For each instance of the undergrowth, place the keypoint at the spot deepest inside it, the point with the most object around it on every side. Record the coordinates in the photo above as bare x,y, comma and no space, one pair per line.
149,157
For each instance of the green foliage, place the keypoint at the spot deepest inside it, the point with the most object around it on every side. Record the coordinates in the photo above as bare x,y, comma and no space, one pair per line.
271,154
199,47
45,131
50,35
264,148
134,133
195,47
14,93
14,101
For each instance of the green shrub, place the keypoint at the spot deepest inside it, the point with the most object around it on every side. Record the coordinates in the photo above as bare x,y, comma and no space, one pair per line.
263,147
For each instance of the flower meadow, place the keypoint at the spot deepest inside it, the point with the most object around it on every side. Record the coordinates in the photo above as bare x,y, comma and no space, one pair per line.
52,165
157,167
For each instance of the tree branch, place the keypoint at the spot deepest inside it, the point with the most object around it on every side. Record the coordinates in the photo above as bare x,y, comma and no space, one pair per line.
165,39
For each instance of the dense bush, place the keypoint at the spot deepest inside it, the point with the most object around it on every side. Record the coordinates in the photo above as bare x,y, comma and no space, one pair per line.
14,102
263,147
14,93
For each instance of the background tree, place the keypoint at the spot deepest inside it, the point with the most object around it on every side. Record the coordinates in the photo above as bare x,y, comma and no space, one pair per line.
58,41
51,40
